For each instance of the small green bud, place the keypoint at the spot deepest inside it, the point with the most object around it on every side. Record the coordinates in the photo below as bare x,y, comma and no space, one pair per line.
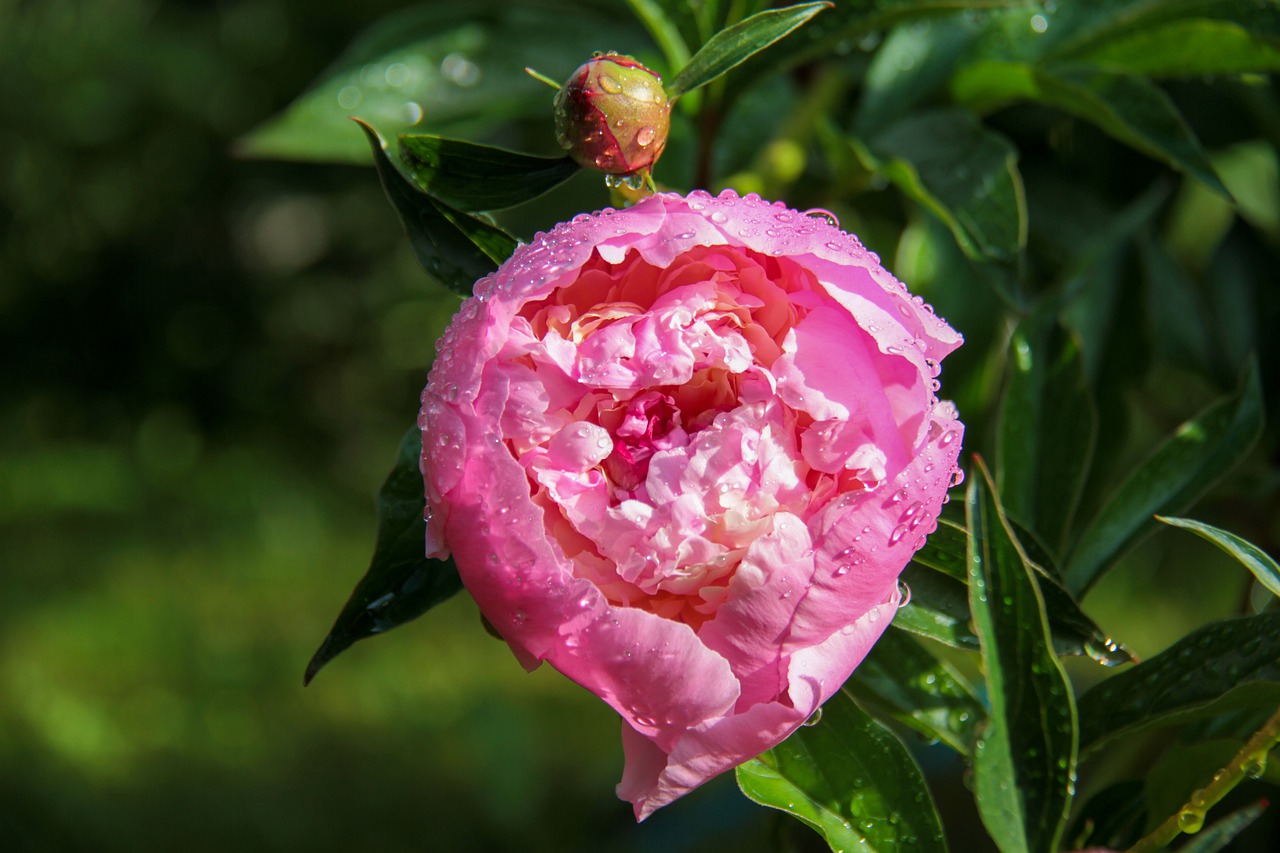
613,115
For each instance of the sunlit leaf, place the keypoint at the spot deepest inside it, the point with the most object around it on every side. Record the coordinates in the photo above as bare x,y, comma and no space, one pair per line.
457,249
401,583
473,177
731,46
1024,767
1199,453
449,68
850,779
962,172
1265,569
1232,663
1047,427
1129,108
902,679
1173,37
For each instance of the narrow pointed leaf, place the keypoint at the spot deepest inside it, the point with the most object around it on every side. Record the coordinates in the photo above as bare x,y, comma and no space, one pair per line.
1024,768
850,779
1199,453
472,177
903,680
1129,108
1232,663
1265,569
731,46
1047,428
401,583
939,605
451,68
961,171
454,247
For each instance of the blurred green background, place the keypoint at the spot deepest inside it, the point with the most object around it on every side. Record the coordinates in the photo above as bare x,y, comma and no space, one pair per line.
207,366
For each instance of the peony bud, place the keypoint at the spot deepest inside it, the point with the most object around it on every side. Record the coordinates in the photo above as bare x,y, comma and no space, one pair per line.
613,115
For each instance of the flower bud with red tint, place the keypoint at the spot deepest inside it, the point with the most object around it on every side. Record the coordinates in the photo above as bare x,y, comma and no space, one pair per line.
613,115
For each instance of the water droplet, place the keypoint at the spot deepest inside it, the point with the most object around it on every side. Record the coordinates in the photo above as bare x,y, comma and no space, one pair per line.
1039,23
519,617
905,592
823,215
645,136
1190,820
609,84
898,532
814,718
1255,766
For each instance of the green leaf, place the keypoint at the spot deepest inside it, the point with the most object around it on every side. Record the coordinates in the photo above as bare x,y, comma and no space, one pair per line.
401,583
1122,30
1185,49
903,680
1215,838
473,177
850,779
455,69
909,68
665,32
1265,569
1129,108
1199,453
1113,818
454,247
1047,427
938,609
731,46
939,603
1024,768
963,172
1232,663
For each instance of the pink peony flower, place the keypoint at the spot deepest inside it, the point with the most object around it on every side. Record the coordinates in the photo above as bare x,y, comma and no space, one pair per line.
682,452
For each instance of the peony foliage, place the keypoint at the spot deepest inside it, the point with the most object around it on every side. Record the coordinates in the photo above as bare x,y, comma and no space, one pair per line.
691,443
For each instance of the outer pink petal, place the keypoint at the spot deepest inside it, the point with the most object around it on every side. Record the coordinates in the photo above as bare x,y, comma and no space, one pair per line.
705,752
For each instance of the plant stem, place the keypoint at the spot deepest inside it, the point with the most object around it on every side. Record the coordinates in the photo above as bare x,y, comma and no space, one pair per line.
1190,817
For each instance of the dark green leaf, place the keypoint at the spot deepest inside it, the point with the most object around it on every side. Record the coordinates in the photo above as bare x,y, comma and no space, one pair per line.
939,605
904,681
450,68
731,46
909,67
1047,428
1113,818
479,177
1179,322
939,608
401,583
454,247
1216,837
1173,37
1231,663
1265,569
1129,108
850,779
961,171
1198,454
1024,768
